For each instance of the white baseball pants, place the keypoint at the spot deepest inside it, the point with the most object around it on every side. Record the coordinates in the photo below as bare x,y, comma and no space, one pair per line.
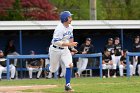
56,55
34,69
81,65
121,68
4,69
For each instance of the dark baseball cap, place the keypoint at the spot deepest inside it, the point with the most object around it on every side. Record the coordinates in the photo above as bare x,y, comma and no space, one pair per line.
108,50
125,50
137,36
32,52
111,39
117,38
89,39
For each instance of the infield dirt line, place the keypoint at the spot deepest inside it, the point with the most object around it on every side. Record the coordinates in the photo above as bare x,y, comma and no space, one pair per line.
18,89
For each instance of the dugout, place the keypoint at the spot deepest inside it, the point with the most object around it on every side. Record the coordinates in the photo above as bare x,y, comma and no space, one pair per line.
37,35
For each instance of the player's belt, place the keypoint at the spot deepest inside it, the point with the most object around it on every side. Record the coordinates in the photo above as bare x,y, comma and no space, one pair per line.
57,47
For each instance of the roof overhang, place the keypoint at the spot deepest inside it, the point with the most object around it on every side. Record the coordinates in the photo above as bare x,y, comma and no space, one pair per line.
78,24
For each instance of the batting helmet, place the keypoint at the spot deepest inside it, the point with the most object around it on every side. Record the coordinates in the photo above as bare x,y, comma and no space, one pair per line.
64,16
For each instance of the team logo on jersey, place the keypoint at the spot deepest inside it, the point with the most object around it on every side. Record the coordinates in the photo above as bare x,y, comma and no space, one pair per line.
67,33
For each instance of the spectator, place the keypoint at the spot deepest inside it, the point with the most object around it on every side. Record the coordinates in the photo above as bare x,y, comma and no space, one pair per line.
136,59
34,65
3,67
10,49
107,64
123,64
86,48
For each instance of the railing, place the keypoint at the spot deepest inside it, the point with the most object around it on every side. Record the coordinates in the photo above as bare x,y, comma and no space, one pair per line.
128,62
9,57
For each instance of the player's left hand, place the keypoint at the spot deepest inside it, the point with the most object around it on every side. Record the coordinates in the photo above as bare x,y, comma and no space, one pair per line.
74,50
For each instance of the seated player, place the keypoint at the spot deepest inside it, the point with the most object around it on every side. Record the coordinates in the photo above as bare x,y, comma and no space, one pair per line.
107,64
123,64
34,65
85,48
3,67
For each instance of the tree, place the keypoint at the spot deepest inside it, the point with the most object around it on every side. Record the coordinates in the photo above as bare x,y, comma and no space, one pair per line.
80,8
39,10
118,9
27,10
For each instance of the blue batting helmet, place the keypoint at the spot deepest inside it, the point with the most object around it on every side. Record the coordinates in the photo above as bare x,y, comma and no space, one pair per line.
64,16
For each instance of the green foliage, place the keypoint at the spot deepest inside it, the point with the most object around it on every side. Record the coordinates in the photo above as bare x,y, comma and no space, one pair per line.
118,9
15,12
80,8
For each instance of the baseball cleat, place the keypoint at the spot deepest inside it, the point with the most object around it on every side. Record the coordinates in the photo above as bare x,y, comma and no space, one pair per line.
114,76
68,88
104,76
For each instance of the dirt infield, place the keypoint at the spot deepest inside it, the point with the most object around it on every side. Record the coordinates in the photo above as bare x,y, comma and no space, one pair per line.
18,89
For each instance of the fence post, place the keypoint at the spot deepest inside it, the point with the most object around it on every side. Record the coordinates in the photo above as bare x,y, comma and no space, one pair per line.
127,63
101,66
8,69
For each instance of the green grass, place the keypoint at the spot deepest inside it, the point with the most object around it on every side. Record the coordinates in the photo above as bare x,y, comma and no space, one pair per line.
83,85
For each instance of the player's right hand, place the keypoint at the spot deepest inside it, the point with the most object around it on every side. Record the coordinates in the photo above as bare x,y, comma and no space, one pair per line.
73,44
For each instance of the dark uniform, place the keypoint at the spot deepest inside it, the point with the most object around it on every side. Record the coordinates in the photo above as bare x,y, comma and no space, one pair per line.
117,49
123,58
107,66
106,58
34,62
88,48
121,66
136,48
110,48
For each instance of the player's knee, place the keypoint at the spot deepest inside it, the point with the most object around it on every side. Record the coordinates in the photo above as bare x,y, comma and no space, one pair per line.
103,66
40,69
69,65
30,69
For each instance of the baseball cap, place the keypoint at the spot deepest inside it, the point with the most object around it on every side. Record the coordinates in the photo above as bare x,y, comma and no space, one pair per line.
89,39
137,36
117,38
111,39
32,52
125,50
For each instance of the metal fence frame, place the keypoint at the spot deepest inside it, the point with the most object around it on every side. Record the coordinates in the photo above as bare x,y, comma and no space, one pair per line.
127,61
9,57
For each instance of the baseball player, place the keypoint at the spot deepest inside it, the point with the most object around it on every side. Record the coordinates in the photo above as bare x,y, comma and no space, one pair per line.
123,64
110,47
118,51
34,65
86,48
136,48
107,64
62,39
3,67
